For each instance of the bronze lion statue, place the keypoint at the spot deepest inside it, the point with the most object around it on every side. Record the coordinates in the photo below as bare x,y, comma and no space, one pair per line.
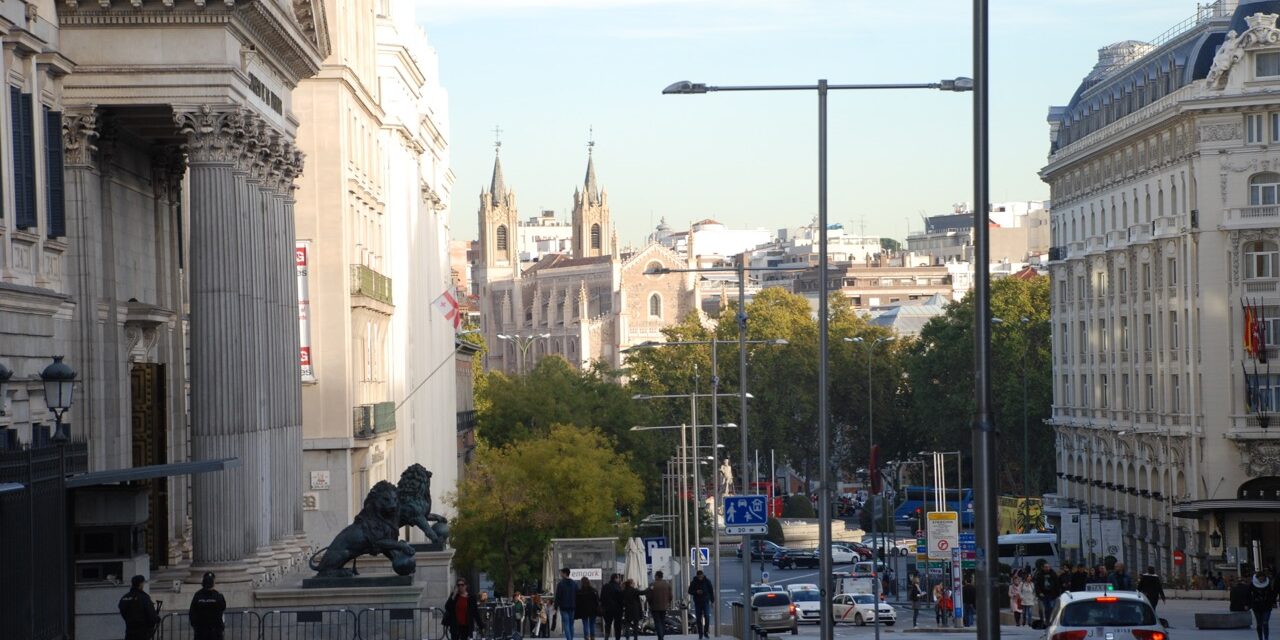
414,492
375,531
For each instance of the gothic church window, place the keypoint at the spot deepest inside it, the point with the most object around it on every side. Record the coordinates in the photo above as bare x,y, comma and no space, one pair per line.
655,305
502,237
595,236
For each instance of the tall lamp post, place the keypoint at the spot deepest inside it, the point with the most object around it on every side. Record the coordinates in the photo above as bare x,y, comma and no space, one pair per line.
824,498
522,343
873,466
59,386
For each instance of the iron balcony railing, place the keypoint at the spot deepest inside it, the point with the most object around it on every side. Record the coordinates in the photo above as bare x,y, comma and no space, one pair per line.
369,420
370,283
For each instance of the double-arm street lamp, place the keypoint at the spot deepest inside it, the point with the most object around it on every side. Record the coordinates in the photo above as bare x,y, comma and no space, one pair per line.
522,343
873,462
826,622
715,433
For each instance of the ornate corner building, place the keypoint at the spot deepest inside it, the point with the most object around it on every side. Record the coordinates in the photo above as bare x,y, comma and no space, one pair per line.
586,306
1165,177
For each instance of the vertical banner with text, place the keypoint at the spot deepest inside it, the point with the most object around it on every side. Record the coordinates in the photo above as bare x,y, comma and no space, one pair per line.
302,260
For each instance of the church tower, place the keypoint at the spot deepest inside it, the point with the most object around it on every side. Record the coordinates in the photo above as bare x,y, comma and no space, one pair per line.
592,228
499,238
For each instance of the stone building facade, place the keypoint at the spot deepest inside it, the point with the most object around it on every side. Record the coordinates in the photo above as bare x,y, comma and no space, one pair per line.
372,218
1164,176
585,308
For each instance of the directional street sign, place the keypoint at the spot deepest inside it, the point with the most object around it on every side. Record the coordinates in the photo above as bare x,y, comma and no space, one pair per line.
703,554
944,534
968,551
746,515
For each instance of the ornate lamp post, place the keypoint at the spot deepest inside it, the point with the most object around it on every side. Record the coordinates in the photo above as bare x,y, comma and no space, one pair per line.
59,386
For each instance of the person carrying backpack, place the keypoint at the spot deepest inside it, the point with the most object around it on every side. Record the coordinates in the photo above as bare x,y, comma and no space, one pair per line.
1262,599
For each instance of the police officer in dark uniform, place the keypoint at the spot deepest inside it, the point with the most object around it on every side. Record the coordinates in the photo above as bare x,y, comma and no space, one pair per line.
139,613
206,610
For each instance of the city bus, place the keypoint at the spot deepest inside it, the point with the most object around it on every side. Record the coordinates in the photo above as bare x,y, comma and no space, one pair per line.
918,501
1025,549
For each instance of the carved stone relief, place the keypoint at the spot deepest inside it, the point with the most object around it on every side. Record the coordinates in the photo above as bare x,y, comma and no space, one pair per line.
1259,457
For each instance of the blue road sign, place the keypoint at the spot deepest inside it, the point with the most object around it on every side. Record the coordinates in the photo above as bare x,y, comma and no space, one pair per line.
704,556
656,542
747,515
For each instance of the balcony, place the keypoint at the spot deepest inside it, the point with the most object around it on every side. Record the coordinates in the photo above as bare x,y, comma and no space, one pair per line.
1139,233
372,420
370,284
1261,285
1168,226
1267,215
466,421
1117,239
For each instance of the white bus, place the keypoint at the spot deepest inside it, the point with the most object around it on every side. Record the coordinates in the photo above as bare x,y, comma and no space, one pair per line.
1025,549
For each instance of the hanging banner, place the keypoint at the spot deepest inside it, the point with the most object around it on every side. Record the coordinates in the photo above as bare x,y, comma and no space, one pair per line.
302,261
1069,529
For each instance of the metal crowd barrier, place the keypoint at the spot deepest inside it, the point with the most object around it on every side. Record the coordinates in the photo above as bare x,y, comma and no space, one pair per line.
401,624
317,624
499,622
239,625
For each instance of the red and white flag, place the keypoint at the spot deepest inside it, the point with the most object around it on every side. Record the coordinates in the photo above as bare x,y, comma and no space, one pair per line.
447,305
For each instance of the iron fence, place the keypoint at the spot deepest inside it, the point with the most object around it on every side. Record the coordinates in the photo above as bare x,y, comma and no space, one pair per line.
499,622
238,625
401,624
376,623
311,624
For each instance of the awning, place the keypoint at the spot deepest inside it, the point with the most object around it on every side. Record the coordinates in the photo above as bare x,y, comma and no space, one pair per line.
1199,508
112,476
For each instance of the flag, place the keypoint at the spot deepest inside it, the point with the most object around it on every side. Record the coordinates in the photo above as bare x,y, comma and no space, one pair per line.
1247,328
1260,335
1248,387
447,305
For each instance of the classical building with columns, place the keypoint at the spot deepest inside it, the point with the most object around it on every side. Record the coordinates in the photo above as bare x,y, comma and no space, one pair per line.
147,236
586,306
373,224
1165,180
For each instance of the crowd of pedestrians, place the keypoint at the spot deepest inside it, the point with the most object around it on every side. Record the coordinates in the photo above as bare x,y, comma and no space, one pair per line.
616,610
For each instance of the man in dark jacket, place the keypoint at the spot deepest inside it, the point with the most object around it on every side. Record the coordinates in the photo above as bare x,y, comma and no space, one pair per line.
1080,578
969,596
139,613
703,594
566,602
206,610
1119,579
461,613
611,606
1151,587
1046,583
659,596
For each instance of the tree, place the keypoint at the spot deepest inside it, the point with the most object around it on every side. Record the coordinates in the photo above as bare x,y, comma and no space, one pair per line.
798,506
568,483
889,244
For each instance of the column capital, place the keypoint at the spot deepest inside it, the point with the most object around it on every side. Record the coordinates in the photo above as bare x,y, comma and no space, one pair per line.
215,134
167,168
79,132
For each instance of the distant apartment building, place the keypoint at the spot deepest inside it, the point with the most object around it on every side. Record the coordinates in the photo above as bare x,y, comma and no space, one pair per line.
542,235
1019,233
889,280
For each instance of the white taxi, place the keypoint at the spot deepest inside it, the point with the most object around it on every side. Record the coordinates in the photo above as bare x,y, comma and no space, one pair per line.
860,608
1105,615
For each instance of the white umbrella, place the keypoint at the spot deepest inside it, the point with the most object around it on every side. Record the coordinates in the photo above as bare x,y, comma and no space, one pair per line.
635,566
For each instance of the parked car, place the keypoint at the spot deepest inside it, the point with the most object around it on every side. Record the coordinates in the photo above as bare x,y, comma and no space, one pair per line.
789,558
841,554
773,611
761,549
808,602
861,549
859,608
1105,614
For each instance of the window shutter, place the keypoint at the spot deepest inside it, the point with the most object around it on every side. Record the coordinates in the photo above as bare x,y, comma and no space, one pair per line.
55,201
23,164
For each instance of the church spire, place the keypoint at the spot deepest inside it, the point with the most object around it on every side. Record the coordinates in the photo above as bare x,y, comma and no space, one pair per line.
590,185
497,187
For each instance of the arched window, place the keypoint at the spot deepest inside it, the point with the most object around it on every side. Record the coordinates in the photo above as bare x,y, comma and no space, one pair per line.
1264,189
502,237
655,305
595,236
1260,259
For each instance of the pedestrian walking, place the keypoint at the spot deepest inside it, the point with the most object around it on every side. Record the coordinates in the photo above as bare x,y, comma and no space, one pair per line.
611,606
1262,599
207,607
461,613
632,609
538,614
938,592
517,611
703,594
1080,578
891,581
1015,598
659,597
140,614
566,601
945,607
1029,601
917,595
1151,587
969,596
1046,589
1239,594
1120,580
587,609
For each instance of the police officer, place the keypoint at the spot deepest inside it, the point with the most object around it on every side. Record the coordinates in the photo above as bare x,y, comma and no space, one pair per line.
139,613
206,610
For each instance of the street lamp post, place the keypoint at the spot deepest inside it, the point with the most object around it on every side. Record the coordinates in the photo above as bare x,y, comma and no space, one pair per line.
59,387
824,498
522,343
873,466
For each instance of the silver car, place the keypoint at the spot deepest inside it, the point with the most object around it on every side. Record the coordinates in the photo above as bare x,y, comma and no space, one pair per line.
773,611
1105,615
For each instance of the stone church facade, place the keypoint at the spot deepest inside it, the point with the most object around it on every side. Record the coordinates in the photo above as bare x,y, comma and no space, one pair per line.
147,235
585,307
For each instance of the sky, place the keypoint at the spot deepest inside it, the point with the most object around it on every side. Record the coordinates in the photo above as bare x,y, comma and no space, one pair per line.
553,74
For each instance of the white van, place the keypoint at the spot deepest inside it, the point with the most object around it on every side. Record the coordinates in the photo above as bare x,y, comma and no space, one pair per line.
1025,549
861,580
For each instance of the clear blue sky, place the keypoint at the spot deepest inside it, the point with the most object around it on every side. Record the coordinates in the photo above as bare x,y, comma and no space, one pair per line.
547,70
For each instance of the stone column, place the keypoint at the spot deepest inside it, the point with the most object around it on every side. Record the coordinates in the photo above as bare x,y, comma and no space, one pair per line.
274,259
222,522
293,423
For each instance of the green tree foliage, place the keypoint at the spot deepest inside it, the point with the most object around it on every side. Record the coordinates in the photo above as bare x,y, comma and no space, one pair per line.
940,365
567,482
798,506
